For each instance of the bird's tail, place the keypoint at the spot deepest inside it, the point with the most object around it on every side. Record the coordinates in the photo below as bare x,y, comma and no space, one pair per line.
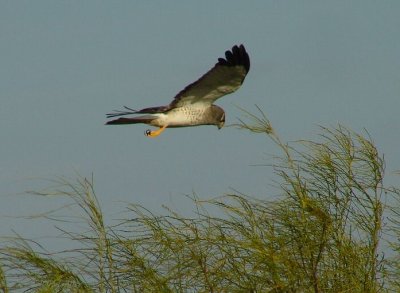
146,119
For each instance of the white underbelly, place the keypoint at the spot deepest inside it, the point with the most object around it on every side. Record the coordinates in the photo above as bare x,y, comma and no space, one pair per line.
181,117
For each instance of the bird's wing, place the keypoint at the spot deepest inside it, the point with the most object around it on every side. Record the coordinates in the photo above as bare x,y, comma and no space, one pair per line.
224,78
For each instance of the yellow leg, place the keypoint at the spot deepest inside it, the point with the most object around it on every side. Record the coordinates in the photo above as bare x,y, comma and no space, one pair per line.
155,133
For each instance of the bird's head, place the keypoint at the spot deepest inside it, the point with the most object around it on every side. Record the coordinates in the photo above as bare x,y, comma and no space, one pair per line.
218,115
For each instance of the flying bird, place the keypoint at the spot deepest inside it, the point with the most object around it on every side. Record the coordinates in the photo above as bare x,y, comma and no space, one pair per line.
193,105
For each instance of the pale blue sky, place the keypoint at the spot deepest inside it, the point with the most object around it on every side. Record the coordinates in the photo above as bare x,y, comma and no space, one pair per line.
65,64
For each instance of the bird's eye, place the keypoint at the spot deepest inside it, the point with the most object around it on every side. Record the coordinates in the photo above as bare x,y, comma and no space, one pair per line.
147,132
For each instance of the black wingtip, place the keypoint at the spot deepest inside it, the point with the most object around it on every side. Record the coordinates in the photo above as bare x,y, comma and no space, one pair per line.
236,57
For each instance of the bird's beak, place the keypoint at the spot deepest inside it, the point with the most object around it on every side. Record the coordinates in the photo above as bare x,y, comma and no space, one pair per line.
221,121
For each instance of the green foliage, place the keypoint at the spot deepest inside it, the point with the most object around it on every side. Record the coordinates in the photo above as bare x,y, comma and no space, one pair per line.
323,233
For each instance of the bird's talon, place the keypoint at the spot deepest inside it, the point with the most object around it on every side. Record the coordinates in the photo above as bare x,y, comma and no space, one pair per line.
155,133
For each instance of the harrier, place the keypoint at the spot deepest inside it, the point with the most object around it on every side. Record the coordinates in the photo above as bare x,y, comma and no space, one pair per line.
193,105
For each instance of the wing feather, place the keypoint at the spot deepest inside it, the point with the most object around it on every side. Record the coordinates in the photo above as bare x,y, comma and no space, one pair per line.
224,78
